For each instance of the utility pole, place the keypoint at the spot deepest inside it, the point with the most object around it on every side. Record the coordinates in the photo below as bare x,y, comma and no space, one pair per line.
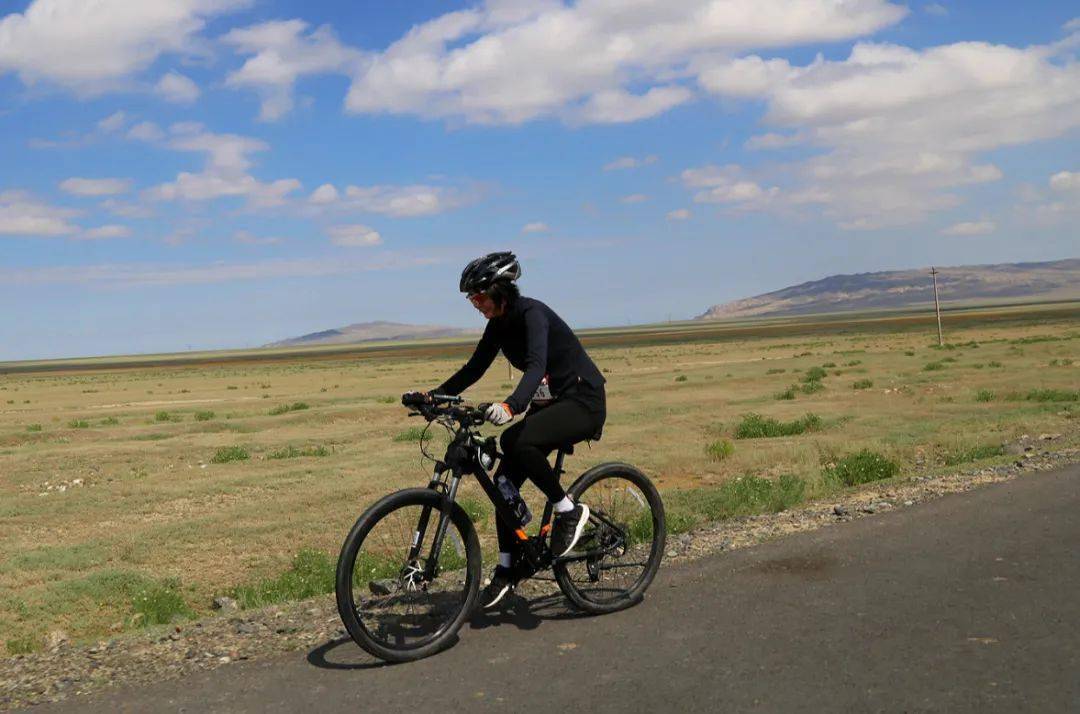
937,307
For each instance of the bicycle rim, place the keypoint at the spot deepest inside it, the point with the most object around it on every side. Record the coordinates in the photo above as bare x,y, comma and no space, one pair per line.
623,541
398,606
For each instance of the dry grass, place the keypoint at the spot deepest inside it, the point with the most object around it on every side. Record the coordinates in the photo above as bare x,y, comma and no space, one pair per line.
102,501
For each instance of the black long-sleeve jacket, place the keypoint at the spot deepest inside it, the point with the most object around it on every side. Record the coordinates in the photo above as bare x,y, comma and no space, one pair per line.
537,342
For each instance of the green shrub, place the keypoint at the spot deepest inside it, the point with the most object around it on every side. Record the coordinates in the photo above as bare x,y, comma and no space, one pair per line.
829,365
720,450
863,384
862,467
788,393
33,427
286,408
984,395
812,386
204,416
909,353
385,400
1053,395
755,426
415,433
292,452
993,363
21,645
110,421
78,424
162,416
853,363
159,603
933,366
741,496
232,386
476,509
230,453
973,453
814,374
311,573
681,378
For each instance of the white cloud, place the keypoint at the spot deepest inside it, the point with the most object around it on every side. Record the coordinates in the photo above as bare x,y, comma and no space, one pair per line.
537,227
614,106
146,131
593,60
898,129
23,215
630,162
403,201
679,214
936,8
634,198
176,88
101,232
248,238
113,122
282,53
970,228
94,45
728,185
138,275
324,195
354,235
225,175
95,187
1065,181
125,209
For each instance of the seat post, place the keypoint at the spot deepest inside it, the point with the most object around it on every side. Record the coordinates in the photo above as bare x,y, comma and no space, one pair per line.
559,462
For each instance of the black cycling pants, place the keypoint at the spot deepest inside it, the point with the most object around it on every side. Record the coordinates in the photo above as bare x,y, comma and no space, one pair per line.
527,444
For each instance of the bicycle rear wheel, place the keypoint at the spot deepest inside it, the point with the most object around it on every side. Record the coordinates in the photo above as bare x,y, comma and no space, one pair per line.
387,597
620,550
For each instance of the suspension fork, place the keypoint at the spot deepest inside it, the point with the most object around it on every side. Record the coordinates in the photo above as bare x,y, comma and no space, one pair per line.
432,567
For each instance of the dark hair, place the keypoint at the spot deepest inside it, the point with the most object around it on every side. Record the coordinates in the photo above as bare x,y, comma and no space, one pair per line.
504,293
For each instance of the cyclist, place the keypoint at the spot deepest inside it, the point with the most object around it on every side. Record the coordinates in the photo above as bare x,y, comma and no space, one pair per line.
561,395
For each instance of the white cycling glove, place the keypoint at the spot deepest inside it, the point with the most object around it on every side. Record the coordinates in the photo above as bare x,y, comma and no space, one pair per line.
498,414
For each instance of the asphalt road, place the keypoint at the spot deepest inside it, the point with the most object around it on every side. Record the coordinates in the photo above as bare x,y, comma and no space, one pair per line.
967,603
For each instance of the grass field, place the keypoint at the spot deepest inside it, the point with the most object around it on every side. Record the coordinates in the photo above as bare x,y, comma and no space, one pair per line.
134,491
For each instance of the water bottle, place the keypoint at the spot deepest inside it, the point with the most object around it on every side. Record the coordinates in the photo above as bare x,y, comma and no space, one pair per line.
512,496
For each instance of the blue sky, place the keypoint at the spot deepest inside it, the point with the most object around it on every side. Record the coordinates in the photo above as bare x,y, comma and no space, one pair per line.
224,173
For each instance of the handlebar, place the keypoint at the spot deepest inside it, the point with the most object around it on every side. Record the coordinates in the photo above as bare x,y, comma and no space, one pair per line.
433,406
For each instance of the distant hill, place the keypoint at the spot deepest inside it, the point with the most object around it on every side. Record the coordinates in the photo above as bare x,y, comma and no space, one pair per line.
1055,280
372,332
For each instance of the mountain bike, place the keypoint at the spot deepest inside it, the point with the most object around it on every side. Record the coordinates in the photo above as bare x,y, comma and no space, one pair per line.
409,571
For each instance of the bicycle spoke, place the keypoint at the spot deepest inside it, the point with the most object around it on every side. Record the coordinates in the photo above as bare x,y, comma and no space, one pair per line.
397,604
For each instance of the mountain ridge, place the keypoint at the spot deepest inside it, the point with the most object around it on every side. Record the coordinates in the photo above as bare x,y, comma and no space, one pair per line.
1058,279
375,331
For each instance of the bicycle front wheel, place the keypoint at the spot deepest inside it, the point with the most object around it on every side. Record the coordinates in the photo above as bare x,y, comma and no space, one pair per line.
621,547
398,598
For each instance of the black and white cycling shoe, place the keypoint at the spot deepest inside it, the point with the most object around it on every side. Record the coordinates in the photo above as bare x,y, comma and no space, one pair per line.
501,584
568,529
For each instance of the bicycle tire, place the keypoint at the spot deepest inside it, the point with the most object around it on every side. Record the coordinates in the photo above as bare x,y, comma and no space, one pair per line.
622,598
351,548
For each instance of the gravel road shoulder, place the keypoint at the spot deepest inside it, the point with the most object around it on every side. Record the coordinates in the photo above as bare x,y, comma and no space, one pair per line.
66,670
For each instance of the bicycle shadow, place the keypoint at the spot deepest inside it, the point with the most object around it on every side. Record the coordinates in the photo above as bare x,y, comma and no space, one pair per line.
526,613
318,656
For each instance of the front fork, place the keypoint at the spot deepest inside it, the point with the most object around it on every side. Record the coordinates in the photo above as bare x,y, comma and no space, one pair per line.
449,492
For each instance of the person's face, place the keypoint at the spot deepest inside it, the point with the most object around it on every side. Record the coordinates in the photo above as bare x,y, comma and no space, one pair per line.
485,304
